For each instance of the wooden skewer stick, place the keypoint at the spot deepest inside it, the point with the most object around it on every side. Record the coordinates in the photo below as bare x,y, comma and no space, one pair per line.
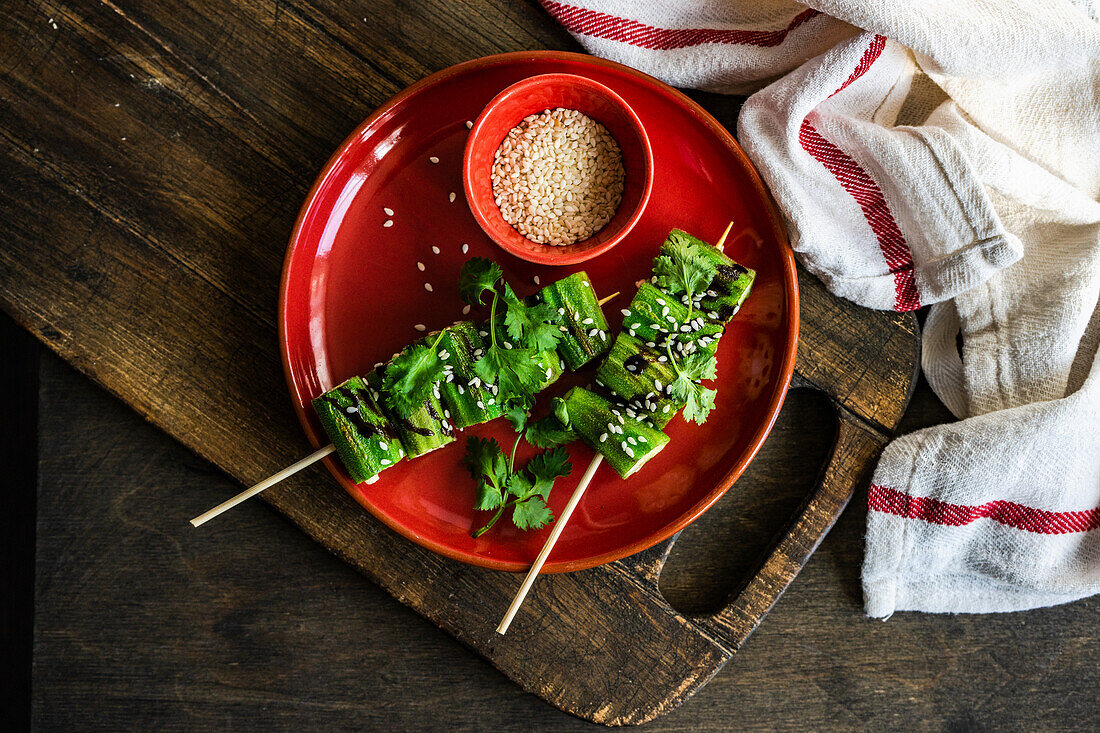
284,474
266,483
722,240
559,525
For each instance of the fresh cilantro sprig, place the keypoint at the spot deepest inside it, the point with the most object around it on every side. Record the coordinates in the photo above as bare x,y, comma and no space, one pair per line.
501,487
552,430
410,376
509,364
691,370
684,269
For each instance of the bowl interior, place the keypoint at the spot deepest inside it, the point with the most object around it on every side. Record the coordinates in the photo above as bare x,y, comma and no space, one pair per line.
533,95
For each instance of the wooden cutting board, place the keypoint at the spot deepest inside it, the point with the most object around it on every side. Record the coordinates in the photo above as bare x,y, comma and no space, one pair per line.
152,178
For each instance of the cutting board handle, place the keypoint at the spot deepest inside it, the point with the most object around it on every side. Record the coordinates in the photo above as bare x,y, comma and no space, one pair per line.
854,453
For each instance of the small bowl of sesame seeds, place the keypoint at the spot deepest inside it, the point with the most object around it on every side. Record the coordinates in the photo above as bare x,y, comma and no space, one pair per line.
557,169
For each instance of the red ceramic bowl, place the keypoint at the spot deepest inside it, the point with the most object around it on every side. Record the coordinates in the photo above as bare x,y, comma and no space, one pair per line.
533,95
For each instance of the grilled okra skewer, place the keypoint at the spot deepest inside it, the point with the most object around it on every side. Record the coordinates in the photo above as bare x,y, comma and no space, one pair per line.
423,431
728,289
626,443
578,314
364,439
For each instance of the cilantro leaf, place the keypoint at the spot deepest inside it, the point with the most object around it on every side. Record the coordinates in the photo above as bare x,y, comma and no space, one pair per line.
690,371
532,513
514,371
549,432
410,376
699,366
517,413
532,326
684,269
699,404
478,274
520,485
561,411
546,467
487,465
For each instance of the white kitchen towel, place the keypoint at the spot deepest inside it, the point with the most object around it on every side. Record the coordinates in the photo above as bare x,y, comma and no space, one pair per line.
942,153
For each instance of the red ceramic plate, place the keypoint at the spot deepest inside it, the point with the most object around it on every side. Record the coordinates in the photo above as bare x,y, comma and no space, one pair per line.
351,293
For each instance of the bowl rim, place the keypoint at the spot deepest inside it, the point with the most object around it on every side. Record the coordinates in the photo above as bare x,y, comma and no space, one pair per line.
550,254
789,277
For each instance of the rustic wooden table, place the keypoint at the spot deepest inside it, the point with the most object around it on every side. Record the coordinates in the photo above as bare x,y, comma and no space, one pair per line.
139,622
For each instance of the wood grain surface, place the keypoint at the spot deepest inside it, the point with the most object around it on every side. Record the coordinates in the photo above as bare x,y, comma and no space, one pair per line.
155,157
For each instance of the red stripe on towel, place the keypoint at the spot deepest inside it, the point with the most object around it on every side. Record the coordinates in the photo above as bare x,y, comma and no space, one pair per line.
1009,513
867,194
601,25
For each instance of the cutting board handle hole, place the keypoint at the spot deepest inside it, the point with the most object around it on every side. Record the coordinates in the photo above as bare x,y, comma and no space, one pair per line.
716,554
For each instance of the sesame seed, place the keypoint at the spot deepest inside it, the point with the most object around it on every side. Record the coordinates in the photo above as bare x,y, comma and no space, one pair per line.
383,446
667,408
480,405
447,414
561,311
387,211
536,279
587,322
469,124
428,287
433,159
388,223
451,197
603,437
465,309
435,250
627,450
351,409
385,461
641,438
420,327
626,312
420,266
461,390
465,248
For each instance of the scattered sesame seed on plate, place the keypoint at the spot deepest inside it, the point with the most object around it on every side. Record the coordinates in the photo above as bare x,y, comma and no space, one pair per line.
465,248
420,266
465,309
387,211
451,197
420,327
388,223
469,124
536,279
434,159
428,287
435,249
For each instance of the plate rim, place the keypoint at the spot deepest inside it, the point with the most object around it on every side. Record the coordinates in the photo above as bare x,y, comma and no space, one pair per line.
790,282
